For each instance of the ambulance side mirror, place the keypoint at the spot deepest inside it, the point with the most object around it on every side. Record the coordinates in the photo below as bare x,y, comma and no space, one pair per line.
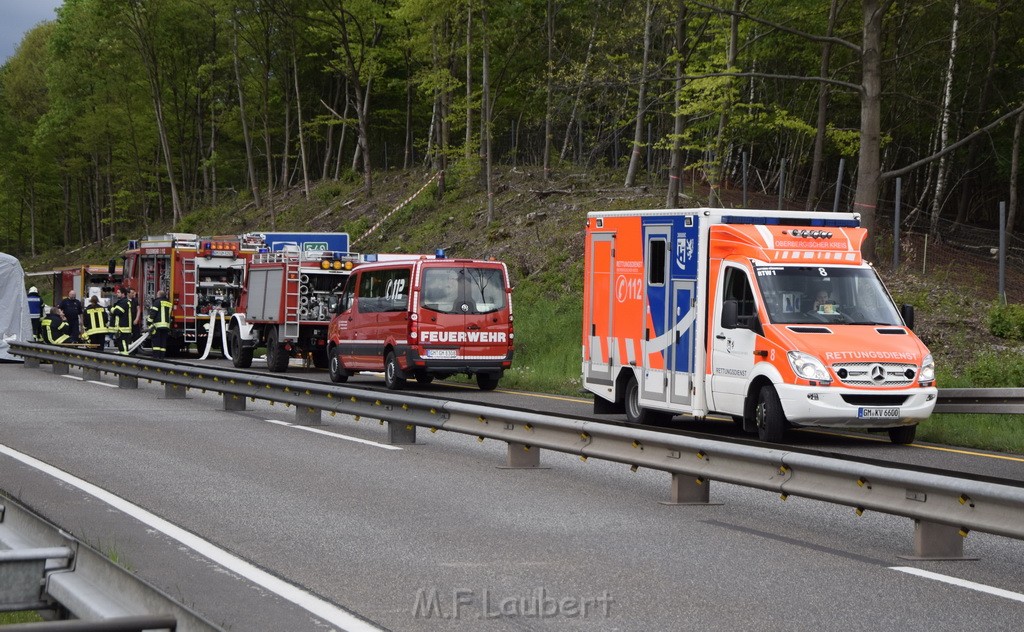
907,312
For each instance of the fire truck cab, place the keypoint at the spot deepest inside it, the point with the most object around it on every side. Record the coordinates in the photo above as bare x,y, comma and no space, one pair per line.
770,317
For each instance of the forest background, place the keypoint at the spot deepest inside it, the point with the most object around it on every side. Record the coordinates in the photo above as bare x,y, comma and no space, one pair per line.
513,119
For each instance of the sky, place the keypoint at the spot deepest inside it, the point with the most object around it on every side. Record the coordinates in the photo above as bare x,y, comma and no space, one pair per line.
19,16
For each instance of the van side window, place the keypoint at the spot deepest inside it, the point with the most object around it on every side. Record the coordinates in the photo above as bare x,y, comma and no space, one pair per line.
737,288
384,290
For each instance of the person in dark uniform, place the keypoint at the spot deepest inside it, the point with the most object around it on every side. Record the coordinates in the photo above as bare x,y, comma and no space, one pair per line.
54,327
121,322
95,323
159,320
35,311
135,313
72,309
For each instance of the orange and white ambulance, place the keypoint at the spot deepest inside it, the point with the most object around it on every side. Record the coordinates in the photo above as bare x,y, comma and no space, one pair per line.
424,318
770,317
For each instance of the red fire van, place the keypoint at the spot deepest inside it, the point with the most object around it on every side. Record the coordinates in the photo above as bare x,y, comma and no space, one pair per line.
424,319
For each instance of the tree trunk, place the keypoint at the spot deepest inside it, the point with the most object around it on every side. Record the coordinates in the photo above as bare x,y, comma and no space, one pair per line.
250,162
940,178
717,160
675,169
1014,174
869,163
549,88
579,90
968,181
302,137
641,105
486,115
823,100
468,148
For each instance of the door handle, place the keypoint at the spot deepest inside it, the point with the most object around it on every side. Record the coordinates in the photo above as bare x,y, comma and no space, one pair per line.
720,336
472,327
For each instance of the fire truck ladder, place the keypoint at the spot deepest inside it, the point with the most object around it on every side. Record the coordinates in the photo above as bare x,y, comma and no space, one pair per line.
290,327
189,275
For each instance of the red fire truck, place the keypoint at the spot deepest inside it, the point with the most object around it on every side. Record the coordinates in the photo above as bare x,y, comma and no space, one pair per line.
288,297
203,278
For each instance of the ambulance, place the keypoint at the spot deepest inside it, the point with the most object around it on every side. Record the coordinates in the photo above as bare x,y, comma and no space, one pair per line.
422,319
772,318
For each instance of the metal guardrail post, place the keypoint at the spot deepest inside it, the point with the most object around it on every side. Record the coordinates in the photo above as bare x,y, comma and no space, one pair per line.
934,541
401,433
90,374
32,363
174,391
22,572
689,490
522,456
127,381
307,416
234,401
61,368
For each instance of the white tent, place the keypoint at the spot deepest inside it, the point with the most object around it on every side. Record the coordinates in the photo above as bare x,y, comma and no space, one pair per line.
14,320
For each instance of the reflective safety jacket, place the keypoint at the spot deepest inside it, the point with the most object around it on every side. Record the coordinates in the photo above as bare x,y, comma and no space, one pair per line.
95,321
121,318
54,329
159,316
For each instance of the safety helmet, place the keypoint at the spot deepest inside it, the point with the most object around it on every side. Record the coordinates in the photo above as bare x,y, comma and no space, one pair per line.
33,290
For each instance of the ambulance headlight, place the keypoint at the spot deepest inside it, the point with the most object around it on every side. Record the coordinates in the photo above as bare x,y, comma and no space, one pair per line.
808,367
927,370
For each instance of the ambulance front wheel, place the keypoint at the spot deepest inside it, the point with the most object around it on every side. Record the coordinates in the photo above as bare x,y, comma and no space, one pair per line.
770,418
637,414
903,435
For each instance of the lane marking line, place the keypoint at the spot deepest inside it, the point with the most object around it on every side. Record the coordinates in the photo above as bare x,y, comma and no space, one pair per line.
963,583
103,384
302,598
73,377
336,435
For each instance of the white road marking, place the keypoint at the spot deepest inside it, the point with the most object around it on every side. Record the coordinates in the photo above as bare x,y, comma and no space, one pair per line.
963,583
72,377
103,384
306,600
333,434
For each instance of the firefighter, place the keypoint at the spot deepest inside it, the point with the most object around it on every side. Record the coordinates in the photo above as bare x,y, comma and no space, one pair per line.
159,320
35,311
121,322
135,311
95,323
72,309
54,327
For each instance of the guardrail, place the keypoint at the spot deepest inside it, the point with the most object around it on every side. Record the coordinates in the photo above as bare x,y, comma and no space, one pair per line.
944,509
42,566
999,401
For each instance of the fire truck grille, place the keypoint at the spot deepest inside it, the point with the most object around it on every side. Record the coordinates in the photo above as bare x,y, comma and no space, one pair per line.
875,373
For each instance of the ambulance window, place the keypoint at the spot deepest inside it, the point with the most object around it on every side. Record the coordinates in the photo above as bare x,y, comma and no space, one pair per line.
656,249
737,288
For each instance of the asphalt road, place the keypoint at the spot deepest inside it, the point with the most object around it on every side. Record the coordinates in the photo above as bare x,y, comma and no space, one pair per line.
437,536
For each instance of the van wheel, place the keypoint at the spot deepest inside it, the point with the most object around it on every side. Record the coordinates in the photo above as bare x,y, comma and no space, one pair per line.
637,414
241,355
486,381
277,359
337,369
424,379
393,377
903,435
770,419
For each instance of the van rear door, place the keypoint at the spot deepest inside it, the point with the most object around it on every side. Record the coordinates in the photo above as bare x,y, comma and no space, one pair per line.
465,311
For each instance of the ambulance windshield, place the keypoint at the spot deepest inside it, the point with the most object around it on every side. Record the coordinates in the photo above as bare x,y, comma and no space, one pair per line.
821,294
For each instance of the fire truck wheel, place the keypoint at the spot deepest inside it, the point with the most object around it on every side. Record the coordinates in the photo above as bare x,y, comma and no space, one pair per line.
241,356
771,420
277,358
637,414
338,372
486,381
903,435
393,377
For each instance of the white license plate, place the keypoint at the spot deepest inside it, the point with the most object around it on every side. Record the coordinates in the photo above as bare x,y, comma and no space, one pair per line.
879,413
442,353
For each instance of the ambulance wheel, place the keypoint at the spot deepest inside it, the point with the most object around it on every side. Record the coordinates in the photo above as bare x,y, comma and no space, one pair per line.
337,369
486,381
241,356
903,435
393,377
277,359
771,420
637,414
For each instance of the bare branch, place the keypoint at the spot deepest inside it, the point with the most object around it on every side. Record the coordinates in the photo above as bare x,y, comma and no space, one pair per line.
958,144
810,36
765,75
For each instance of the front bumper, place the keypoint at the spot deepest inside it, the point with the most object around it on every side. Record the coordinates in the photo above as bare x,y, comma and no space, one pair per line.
825,407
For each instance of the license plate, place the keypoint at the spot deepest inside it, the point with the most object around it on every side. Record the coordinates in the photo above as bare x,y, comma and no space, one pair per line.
442,353
879,413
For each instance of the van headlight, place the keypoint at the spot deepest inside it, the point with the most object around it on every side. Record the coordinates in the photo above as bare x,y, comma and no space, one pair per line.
808,367
927,370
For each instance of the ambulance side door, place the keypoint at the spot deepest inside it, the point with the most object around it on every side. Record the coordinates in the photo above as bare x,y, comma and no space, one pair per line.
732,355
